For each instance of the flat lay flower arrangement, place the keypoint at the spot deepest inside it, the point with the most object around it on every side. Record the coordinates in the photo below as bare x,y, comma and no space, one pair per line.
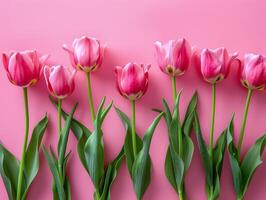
25,68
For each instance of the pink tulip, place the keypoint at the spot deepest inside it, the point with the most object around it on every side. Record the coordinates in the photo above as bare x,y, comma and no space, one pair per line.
213,64
59,81
132,80
23,68
173,57
86,55
253,71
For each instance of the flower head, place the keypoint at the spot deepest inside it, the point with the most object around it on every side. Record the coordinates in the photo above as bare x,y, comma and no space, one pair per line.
132,80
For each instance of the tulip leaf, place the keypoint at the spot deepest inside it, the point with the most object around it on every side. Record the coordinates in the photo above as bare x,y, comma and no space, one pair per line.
242,171
9,165
188,149
110,175
189,116
9,169
141,168
252,160
58,189
176,162
32,153
90,143
206,160
128,147
78,128
64,136
212,166
93,150
235,165
169,170
61,186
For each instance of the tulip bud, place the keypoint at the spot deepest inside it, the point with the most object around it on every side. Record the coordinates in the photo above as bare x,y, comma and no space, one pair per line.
86,54
132,80
173,57
253,71
23,68
214,64
59,81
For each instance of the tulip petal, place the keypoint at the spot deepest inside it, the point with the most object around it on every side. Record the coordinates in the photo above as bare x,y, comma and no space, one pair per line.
118,72
71,55
47,72
5,59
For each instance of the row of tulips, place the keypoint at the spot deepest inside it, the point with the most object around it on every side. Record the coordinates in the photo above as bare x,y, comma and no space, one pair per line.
24,69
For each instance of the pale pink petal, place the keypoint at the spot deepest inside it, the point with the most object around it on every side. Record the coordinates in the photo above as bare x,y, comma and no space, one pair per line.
71,55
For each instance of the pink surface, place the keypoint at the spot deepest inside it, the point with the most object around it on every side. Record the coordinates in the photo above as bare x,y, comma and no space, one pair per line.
129,29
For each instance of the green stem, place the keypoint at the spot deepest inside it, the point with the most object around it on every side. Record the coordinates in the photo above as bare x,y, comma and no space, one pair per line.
90,96
21,167
98,197
181,196
174,87
133,126
181,193
244,120
180,139
212,119
59,112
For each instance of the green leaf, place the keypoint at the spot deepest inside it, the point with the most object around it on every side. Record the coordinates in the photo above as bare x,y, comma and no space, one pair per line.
78,128
206,160
174,168
141,168
128,148
59,189
64,136
235,165
174,128
189,116
168,115
32,154
188,149
9,169
169,170
93,149
176,165
81,151
110,175
251,161
218,157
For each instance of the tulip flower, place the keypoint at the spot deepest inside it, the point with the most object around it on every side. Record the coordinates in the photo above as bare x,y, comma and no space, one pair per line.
23,68
132,83
132,80
253,77
173,57
60,84
214,66
86,55
253,71
59,80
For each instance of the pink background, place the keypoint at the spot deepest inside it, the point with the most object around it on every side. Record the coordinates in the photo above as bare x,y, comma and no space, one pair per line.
129,29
